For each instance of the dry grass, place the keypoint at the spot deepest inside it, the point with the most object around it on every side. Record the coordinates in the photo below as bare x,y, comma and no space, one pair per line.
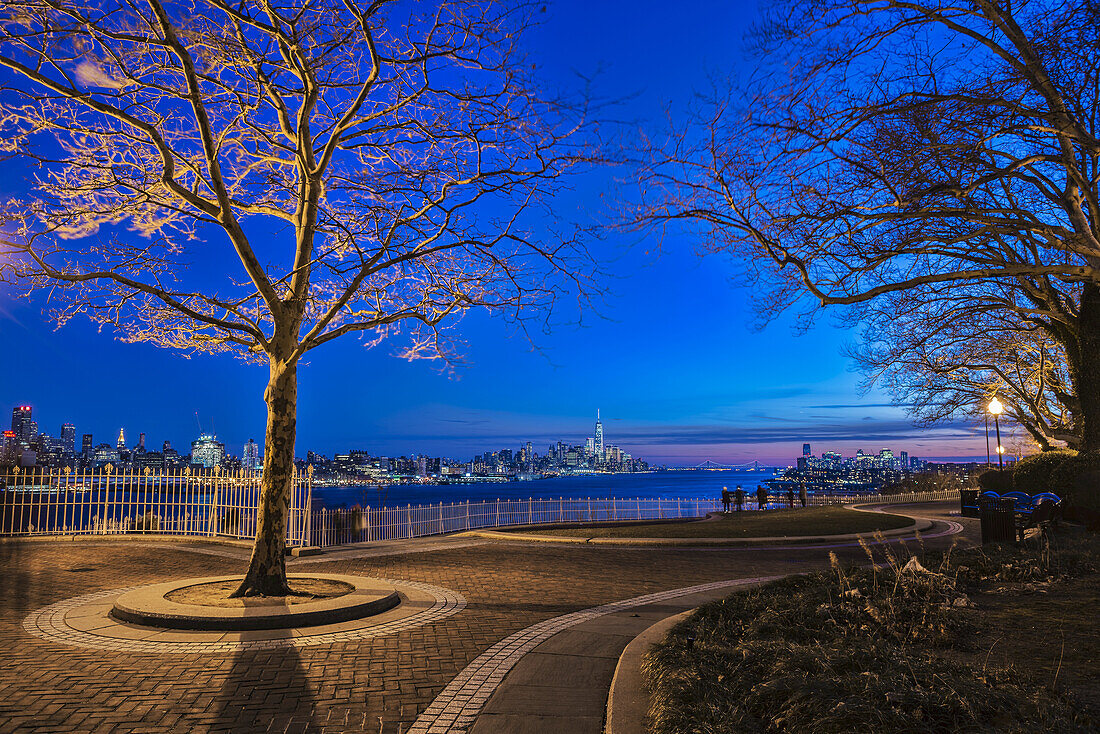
900,647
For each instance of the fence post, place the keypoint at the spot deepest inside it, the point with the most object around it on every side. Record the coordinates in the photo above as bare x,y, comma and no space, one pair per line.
309,509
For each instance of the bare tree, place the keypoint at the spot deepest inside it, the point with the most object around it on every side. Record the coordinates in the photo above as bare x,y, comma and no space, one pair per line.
945,355
889,146
262,178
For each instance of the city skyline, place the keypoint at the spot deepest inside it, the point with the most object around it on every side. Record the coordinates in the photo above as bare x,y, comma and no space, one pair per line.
846,445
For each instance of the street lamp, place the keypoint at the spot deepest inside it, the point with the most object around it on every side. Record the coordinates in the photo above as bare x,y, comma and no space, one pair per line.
996,408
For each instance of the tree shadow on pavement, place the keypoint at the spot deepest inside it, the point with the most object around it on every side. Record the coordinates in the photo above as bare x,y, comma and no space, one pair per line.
15,586
265,690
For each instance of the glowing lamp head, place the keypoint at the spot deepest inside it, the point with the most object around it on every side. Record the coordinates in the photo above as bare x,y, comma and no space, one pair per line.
996,407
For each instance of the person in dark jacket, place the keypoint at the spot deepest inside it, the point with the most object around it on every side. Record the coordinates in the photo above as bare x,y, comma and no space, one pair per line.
725,500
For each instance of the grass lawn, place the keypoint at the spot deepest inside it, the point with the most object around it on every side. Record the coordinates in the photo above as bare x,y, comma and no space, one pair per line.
748,524
969,641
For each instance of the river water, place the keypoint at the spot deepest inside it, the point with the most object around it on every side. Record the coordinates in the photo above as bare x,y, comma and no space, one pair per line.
666,484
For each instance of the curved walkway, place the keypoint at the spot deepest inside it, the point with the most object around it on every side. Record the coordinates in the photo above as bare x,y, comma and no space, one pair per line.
554,676
583,597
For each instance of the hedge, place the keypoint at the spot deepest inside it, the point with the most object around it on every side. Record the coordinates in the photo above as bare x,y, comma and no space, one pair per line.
1033,473
1077,480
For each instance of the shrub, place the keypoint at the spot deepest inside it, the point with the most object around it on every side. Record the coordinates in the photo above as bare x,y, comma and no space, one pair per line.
852,650
1058,557
995,480
1077,481
1032,474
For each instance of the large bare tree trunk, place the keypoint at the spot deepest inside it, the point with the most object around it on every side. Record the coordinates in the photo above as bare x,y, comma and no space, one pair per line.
1086,367
267,568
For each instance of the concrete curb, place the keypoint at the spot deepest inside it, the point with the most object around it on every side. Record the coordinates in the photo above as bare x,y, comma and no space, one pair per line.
627,700
920,525
148,607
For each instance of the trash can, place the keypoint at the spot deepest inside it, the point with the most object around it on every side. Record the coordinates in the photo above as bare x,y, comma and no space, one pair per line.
998,519
968,502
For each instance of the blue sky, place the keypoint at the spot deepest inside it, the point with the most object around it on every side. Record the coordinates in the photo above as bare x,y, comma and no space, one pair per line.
672,362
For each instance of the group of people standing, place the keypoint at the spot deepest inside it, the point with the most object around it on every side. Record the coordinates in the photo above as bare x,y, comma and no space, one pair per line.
738,496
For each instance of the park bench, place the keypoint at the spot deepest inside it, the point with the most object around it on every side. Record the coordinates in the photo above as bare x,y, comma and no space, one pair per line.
1006,516
1040,515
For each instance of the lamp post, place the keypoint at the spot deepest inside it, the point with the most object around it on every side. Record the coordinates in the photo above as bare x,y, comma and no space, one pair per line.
988,460
996,408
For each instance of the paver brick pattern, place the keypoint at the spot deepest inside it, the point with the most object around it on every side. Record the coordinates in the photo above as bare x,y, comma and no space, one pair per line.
377,685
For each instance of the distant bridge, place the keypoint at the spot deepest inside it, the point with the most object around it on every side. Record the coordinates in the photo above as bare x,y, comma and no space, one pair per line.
708,464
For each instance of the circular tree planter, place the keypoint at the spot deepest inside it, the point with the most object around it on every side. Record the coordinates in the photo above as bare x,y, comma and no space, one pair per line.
148,606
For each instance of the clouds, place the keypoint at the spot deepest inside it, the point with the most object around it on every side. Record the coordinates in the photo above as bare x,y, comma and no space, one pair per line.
788,432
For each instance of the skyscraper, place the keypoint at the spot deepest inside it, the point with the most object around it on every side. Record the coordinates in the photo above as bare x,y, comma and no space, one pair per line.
86,448
20,420
251,458
121,440
141,442
66,445
68,438
8,448
806,449
599,437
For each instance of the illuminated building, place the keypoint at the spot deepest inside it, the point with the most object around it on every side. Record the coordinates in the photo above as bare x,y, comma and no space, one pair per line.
68,439
8,448
599,438
251,457
106,454
207,451
20,422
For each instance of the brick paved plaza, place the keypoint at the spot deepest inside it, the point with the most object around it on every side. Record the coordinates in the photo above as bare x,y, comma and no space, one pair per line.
377,685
